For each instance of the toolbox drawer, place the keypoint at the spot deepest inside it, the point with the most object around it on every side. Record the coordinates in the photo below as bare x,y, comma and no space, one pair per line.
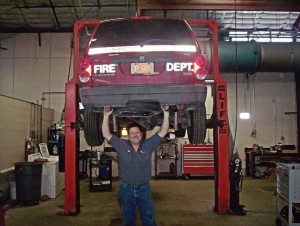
198,159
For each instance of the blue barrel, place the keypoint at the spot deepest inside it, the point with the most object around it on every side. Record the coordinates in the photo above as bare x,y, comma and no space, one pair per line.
28,182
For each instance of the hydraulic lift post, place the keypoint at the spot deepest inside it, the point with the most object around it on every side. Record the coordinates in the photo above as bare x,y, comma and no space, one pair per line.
72,197
221,139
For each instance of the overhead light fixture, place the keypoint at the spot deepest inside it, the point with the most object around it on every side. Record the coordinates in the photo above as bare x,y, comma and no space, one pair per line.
244,114
81,107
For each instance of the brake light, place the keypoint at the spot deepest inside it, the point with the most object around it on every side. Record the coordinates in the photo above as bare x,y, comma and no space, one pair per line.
86,70
199,67
85,63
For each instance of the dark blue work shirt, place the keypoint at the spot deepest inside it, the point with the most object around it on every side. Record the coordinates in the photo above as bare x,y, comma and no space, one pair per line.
135,166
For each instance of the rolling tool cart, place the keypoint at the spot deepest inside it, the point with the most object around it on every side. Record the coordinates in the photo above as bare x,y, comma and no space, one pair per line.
288,194
100,173
197,159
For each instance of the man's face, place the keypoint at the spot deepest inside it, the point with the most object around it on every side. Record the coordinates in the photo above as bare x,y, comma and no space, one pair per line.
135,135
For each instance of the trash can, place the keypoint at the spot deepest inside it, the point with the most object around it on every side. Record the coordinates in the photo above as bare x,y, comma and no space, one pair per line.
12,189
28,182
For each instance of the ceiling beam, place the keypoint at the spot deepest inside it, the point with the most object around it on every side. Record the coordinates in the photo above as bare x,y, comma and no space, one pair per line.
67,5
75,10
250,5
54,14
35,30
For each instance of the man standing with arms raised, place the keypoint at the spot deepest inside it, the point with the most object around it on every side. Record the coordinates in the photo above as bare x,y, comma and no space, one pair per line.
134,156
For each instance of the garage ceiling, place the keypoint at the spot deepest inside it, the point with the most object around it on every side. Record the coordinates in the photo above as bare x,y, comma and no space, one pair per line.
39,16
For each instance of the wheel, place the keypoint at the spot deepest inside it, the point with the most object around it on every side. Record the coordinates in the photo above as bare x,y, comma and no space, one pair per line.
197,128
92,127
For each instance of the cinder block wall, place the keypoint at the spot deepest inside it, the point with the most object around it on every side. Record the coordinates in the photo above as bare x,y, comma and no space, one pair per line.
19,120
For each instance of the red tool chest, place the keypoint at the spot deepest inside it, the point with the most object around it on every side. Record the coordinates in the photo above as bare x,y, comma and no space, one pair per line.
198,159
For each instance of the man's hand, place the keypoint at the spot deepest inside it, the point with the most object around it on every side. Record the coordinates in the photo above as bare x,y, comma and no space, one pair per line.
107,111
165,108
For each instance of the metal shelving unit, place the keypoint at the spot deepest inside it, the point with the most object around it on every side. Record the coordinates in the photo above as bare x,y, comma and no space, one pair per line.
288,194
101,178
166,156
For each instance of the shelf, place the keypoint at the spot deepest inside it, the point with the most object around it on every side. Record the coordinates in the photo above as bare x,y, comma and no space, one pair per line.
166,160
290,112
102,181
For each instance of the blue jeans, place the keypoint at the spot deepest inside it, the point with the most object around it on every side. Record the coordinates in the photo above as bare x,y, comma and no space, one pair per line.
132,198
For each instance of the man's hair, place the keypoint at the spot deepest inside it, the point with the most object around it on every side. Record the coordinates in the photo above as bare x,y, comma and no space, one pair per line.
134,124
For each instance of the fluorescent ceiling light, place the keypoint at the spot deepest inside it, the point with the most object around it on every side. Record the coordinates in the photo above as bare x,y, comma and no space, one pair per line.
244,115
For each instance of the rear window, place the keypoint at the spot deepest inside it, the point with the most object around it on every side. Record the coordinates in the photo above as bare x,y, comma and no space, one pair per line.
142,32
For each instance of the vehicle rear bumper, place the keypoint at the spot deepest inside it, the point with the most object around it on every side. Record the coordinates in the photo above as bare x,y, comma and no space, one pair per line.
118,96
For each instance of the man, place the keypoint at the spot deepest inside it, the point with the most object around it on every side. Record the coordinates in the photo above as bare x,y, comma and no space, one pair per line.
134,156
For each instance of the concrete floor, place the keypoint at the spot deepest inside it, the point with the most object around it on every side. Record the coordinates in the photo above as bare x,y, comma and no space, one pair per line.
178,202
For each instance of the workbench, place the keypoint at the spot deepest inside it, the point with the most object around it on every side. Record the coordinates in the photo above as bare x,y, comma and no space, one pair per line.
266,158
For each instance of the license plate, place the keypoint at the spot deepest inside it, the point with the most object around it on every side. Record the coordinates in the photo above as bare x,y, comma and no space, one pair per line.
142,68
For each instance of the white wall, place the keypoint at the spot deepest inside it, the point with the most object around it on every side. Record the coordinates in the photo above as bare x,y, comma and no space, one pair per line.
28,70
275,94
20,120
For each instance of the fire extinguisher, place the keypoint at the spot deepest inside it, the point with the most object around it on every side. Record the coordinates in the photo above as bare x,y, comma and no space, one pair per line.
28,148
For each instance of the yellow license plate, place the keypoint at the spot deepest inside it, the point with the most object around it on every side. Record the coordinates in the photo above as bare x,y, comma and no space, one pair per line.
142,68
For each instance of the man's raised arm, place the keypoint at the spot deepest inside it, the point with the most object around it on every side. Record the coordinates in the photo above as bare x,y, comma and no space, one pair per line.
165,124
105,124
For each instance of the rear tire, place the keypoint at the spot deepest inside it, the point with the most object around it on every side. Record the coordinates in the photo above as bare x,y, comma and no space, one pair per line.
92,127
197,128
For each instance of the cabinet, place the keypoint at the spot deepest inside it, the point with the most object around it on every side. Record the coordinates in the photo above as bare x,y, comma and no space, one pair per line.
198,159
288,194
266,158
53,181
166,156
100,174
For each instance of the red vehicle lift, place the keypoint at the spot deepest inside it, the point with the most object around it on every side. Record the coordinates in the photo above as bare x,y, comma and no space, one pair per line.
72,199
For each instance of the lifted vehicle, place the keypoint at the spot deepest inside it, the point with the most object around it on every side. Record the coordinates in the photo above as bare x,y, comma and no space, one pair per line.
135,65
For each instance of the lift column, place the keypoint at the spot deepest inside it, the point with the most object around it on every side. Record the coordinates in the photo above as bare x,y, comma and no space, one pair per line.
72,196
72,204
221,139
221,136
221,147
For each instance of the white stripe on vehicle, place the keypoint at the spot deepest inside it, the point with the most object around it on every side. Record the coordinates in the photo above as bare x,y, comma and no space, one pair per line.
145,48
